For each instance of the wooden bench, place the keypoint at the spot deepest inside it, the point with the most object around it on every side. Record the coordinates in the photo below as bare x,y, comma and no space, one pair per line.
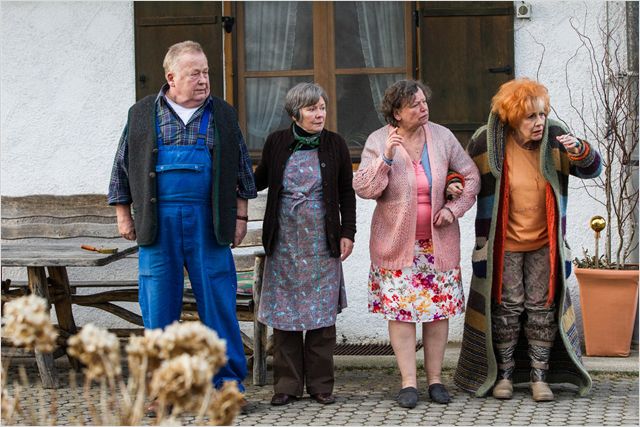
88,219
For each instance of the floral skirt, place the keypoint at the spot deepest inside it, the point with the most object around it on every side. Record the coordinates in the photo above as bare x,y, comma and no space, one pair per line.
417,293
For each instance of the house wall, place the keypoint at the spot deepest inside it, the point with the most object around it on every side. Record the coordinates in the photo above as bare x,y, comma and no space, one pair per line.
67,82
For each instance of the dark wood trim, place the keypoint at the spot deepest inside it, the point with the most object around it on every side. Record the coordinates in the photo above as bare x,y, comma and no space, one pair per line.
332,116
466,8
279,73
409,40
240,60
181,20
381,70
229,58
454,127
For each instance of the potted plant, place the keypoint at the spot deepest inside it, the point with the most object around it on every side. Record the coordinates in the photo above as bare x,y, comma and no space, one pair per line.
609,282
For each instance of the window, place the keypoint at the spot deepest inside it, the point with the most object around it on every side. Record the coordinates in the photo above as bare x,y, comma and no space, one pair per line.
354,50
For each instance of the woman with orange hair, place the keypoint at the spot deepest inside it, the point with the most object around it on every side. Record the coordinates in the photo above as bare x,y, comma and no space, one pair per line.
519,322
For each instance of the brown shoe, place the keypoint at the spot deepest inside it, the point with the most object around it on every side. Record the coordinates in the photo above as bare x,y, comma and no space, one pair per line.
503,389
540,392
280,399
324,398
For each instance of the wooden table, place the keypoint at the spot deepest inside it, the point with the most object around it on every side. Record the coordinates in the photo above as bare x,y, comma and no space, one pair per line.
56,257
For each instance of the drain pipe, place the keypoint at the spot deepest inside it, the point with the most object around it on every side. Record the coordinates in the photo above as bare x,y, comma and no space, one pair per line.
632,73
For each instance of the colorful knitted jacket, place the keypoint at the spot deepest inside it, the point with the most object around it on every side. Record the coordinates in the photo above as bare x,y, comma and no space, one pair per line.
476,371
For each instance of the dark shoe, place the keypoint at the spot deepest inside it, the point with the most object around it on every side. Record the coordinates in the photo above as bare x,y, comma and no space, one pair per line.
408,397
324,398
244,406
280,399
154,407
439,394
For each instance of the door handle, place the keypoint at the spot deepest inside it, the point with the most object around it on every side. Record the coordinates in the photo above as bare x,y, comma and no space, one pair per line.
142,79
497,70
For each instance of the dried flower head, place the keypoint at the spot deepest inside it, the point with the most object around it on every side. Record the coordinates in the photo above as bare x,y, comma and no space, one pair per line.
139,348
193,338
181,382
98,349
28,324
225,405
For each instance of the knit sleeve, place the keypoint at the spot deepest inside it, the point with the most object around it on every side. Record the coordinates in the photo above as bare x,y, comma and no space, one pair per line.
460,162
372,176
587,163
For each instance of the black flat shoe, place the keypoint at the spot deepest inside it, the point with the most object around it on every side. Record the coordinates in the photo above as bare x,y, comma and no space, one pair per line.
280,399
439,394
408,397
324,398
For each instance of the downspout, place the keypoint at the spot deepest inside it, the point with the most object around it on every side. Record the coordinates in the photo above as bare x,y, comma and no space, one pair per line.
632,74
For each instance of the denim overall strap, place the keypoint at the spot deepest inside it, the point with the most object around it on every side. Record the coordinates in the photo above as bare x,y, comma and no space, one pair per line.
202,130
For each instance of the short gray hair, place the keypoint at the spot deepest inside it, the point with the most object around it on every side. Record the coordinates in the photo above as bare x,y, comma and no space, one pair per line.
176,51
302,95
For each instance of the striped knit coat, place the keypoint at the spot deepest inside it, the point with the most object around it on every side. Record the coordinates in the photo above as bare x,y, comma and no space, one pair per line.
477,370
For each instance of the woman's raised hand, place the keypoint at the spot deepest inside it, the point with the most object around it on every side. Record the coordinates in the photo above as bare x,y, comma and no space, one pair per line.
570,142
393,141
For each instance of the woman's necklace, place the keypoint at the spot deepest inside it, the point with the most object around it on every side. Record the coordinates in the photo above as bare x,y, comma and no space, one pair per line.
414,149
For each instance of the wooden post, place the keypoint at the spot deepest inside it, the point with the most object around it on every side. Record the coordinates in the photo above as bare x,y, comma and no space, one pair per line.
45,361
62,302
259,330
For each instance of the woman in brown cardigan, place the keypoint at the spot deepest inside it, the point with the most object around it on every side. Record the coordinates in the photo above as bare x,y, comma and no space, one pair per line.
308,230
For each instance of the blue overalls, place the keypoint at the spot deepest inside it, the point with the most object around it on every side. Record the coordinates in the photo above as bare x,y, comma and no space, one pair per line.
185,238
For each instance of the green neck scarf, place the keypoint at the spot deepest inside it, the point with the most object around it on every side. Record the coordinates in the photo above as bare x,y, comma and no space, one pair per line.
312,141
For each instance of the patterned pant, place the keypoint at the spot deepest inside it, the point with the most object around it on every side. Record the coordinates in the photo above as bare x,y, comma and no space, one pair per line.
525,286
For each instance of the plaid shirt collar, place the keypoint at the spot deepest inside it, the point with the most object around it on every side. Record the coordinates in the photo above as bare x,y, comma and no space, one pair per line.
163,91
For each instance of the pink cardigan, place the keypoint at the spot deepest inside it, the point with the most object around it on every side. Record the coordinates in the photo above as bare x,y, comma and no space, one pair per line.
393,226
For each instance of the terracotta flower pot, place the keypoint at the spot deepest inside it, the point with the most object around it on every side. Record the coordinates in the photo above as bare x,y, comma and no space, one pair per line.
609,300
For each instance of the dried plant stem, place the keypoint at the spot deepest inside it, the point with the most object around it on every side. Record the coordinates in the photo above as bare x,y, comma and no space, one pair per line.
77,418
206,401
30,404
137,412
89,401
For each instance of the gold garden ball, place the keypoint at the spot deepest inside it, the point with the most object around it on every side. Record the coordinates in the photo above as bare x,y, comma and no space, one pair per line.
597,223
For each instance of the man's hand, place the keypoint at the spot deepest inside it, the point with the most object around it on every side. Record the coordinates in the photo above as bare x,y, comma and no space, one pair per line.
443,217
346,246
241,231
126,227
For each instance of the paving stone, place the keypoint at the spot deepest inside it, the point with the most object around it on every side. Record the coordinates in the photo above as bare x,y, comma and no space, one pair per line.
362,401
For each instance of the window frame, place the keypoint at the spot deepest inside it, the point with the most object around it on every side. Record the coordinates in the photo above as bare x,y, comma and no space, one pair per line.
324,71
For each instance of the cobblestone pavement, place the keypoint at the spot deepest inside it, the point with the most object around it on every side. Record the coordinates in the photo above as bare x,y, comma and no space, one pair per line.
367,397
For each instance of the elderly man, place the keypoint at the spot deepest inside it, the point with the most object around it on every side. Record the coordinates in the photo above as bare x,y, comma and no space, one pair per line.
183,164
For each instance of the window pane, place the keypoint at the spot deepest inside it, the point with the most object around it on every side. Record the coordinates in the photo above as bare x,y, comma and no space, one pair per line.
369,34
278,35
359,99
265,107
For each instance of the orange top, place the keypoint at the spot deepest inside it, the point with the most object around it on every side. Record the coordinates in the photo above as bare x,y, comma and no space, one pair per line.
527,225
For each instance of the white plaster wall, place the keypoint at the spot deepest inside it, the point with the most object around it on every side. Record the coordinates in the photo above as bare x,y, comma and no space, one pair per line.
543,45
67,83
